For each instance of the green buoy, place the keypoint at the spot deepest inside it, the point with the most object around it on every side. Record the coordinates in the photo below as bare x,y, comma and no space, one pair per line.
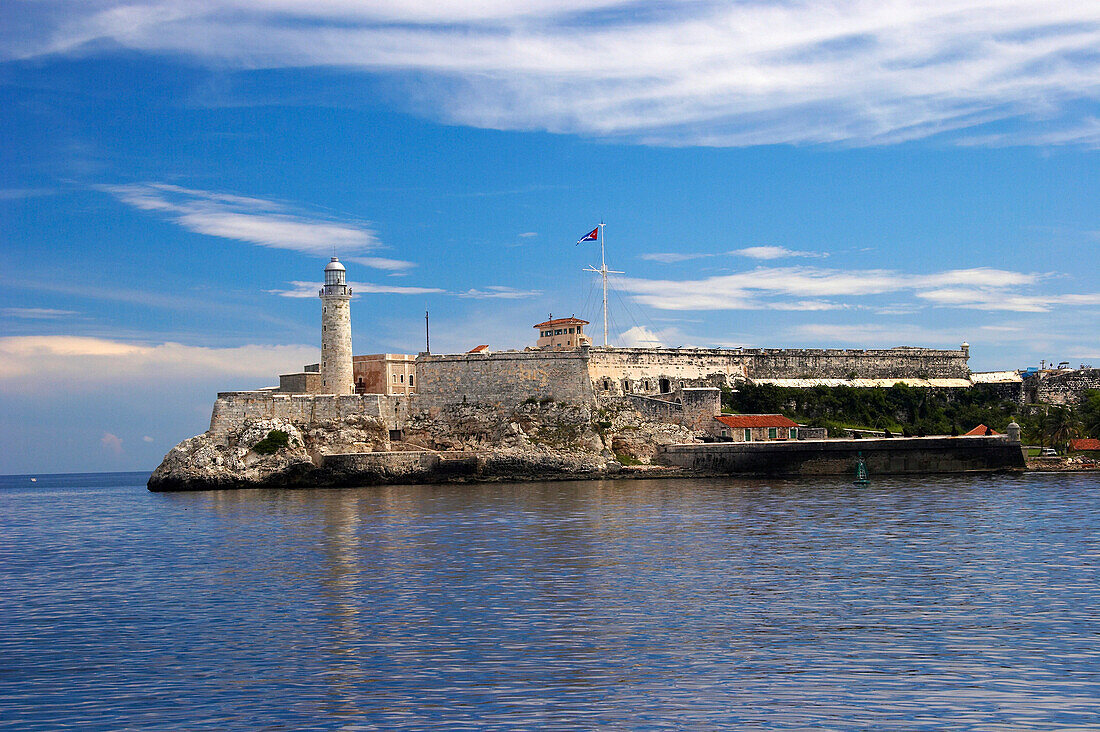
861,471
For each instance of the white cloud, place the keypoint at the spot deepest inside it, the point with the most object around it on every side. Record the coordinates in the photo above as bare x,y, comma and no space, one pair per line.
389,265
641,337
251,220
745,73
310,289
499,292
147,438
528,234
760,252
807,288
37,313
674,257
52,363
111,443
773,253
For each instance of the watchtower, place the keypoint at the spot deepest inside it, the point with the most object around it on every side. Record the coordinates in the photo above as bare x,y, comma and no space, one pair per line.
336,368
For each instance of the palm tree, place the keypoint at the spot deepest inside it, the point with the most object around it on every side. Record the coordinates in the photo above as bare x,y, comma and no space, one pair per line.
1063,426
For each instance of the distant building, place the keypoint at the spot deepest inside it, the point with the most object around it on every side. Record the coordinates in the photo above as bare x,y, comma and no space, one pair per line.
757,427
1084,444
981,431
562,333
393,374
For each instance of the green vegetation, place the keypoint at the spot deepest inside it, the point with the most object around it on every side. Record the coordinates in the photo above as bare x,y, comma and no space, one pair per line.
901,409
625,459
1090,413
276,440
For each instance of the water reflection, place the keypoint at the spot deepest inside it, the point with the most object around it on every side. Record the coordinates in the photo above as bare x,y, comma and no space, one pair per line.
654,604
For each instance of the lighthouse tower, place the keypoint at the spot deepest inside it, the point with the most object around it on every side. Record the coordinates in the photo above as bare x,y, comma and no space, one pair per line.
336,370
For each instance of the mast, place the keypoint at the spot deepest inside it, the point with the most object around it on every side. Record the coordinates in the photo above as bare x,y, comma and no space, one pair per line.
603,272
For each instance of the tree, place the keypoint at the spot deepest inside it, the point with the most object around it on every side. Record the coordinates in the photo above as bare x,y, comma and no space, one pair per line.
1062,426
1090,412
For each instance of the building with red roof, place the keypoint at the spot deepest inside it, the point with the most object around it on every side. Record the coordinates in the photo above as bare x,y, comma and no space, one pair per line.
981,431
1083,444
756,427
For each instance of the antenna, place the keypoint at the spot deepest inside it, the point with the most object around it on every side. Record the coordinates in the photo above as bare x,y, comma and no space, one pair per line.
427,334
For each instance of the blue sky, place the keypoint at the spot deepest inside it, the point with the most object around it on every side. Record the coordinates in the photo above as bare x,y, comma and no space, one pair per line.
174,175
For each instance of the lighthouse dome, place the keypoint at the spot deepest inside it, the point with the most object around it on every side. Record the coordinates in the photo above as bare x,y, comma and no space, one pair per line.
334,265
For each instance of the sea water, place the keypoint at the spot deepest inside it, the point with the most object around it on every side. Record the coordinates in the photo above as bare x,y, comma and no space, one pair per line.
951,602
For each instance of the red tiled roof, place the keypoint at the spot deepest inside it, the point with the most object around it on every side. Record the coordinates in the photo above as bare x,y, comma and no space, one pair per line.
1084,443
741,421
561,321
478,349
980,430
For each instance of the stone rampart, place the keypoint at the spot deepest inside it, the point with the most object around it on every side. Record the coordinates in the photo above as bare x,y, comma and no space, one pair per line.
838,457
1061,387
234,408
503,378
660,370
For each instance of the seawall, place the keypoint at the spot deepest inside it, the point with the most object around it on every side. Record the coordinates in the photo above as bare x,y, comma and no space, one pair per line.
895,456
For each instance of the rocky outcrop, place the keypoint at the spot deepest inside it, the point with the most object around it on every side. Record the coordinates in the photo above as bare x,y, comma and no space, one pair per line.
231,460
538,439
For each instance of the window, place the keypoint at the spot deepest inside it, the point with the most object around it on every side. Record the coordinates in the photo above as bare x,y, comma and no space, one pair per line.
324,328
395,378
410,379
748,435
572,330
773,432
402,378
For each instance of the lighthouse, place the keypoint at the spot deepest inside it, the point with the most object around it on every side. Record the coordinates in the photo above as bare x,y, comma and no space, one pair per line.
336,369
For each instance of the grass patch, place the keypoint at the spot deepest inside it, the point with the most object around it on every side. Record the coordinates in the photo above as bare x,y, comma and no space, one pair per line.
276,440
625,459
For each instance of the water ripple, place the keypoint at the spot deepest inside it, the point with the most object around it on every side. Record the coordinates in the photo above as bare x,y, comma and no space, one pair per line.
961,603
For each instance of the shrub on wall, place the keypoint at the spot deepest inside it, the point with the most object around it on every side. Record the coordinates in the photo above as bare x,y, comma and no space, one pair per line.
276,440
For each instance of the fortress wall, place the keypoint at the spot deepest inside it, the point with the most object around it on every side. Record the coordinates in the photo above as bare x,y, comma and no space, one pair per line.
504,378
235,407
1064,387
624,370
836,363
695,367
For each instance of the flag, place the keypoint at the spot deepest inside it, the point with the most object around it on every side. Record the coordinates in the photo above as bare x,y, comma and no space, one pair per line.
590,236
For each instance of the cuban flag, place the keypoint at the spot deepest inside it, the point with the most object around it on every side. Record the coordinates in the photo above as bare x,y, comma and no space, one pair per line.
593,235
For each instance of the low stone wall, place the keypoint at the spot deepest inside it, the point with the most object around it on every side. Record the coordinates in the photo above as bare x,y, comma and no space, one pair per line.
234,408
838,457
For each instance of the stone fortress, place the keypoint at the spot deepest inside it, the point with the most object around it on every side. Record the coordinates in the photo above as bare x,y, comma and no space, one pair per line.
560,407
563,366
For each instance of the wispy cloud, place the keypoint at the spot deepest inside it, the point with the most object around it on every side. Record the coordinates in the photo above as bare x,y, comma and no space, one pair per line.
389,265
704,73
528,234
499,292
37,313
111,443
815,288
309,289
760,252
49,363
252,220
15,194
773,253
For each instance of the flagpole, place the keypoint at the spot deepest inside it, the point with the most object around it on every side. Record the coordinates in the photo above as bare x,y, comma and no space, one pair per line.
603,271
